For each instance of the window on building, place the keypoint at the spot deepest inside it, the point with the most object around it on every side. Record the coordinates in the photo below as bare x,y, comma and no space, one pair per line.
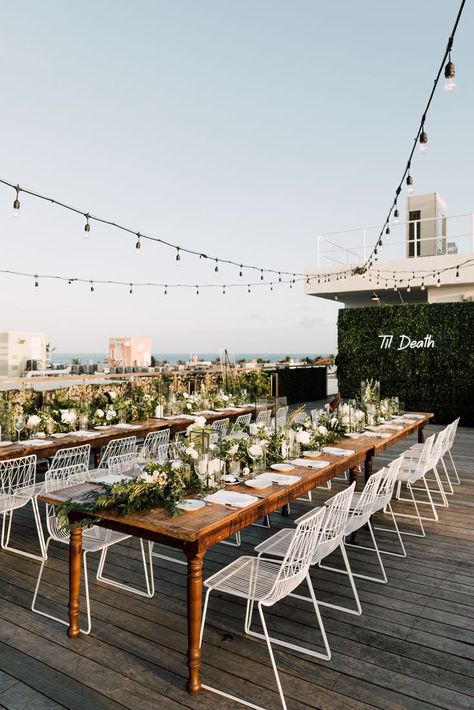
414,233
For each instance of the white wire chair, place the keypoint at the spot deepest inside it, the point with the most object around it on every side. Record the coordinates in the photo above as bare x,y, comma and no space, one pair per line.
265,582
264,417
123,464
410,471
220,427
453,427
94,539
331,537
363,505
315,416
300,418
17,489
243,420
71,457
154,439
439,446
126,445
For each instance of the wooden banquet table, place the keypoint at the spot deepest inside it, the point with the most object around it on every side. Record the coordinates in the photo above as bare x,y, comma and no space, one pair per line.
195,532
98,438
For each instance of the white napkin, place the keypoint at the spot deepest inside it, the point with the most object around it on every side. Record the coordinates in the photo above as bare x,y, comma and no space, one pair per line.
394,427
59,435
238,500
282,479
414,416
82,433
337,452
124,425
6,443
309,463
380,434
35,442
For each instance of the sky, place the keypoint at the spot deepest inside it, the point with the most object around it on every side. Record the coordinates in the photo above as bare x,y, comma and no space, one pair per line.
240,129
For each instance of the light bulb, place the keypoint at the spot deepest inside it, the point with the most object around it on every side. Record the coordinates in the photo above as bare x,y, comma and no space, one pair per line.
423,142
449,73
396,216
16,203
87,227
138,246
409,183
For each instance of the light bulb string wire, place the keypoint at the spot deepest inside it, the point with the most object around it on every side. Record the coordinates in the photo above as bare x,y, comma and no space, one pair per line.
132,284
406,172
141,235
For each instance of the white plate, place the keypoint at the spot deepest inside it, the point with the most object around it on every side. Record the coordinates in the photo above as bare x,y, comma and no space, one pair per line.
282,467
353,434
6,443
259,483
311,454
101,427
110,479
191,504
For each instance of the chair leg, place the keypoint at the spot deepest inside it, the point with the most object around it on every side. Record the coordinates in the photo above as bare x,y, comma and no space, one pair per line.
417,516
349,573
266,523
204,613
51,616
448,479
237,543
7,519
272,657
458,480
294,647
149,580
375,549
396,530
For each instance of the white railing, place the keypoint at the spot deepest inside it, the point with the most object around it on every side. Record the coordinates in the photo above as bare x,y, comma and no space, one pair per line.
444,235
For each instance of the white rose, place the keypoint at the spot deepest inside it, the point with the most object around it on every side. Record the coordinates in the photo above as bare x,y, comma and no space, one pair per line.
200,421
225,397
233,449
33,421
112,394
111,413
99,413
189,405
322,430
176,465
68,416
191,452
255,451
245,471
185,395
253,429
263,443
146,477
303,437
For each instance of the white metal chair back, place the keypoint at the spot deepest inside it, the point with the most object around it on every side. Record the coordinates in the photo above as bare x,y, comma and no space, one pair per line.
315,416
119,465
334,524
71,457
154,439
163,453
282,413
243,420
439,446
387,484
422,465
280,422
452,433
300,418
297,560
116,447
361,507
55,479
264,417
220,427
17,478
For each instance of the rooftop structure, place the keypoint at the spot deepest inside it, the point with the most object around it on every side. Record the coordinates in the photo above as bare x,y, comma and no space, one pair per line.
129,352
410,265
21,351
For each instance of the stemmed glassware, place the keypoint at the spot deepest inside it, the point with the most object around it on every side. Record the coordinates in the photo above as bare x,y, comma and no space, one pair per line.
19,425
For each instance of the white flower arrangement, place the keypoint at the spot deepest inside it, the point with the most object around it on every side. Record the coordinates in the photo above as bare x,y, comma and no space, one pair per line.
68,416
33,421
303,437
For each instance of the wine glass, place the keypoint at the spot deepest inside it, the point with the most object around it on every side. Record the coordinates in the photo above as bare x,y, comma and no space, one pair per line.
19,425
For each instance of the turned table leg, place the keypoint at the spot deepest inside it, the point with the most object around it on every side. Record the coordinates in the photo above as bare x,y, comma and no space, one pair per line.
368,465
421,434
194,621
75,560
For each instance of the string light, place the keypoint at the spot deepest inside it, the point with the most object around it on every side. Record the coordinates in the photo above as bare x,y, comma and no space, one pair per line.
449,74
138,245
36,281
131,289
166,290
396,215
387,233
111,223
87,227
457,273
16,203
241,272
92,287
178,255
423,141
422,285
409,184
408,288
197,290
216,268
249,288
261,276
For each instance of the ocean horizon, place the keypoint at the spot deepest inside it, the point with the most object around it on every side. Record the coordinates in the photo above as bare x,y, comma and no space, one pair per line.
84,358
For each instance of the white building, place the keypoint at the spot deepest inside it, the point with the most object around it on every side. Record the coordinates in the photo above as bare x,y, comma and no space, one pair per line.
20,352
417,263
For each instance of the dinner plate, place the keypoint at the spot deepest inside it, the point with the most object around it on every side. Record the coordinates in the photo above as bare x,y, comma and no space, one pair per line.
191,504
6,443
109,479
282,467
259,483
311,454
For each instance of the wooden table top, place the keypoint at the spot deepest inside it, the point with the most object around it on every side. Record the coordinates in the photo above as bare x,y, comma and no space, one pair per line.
215,522
101,437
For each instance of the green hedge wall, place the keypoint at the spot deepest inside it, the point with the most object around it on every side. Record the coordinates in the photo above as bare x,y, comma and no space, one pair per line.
438,379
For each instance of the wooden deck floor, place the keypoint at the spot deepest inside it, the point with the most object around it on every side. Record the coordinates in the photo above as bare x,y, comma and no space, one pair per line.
412,648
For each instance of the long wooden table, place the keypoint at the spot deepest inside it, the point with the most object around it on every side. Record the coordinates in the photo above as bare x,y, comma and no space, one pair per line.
100,438
194,533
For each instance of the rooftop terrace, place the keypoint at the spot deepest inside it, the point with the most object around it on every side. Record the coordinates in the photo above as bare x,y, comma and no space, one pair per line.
412,648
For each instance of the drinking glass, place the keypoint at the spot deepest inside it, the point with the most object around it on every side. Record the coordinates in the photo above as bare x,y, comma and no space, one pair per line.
19,425
83,422
201,467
